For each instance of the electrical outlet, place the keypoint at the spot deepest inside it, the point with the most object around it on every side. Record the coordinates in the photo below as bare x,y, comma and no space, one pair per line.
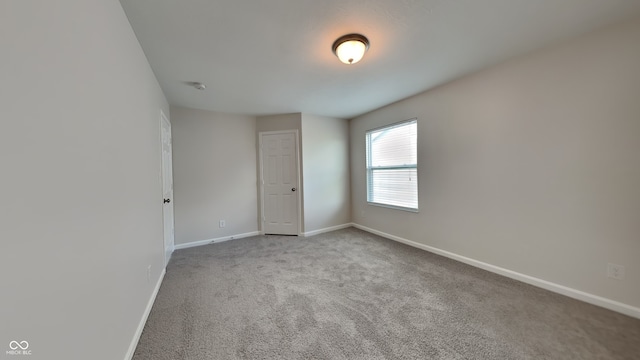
149,273
223,223
615,271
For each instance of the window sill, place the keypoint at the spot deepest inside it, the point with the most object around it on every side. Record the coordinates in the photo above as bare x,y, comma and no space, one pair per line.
394,207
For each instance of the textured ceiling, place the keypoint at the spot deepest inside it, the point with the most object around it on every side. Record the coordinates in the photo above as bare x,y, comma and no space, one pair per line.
272,57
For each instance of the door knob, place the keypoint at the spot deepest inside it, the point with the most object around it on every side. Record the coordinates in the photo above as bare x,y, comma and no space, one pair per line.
293,189
167,201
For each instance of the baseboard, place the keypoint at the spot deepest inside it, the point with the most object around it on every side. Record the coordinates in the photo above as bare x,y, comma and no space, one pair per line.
547,285
216,240
331,228
145,316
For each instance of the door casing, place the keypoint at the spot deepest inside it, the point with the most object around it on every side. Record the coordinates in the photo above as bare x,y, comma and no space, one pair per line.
166,178
298,193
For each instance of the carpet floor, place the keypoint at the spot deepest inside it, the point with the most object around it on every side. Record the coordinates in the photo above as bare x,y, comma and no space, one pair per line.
349,294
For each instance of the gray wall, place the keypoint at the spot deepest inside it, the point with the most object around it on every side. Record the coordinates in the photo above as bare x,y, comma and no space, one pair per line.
324,162
325,153
216,171
279,123
532,165
214,174
81,206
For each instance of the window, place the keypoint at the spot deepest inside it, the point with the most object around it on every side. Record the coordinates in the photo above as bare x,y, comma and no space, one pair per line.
392,165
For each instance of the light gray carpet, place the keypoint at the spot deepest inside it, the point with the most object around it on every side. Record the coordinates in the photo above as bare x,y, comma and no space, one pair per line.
353,295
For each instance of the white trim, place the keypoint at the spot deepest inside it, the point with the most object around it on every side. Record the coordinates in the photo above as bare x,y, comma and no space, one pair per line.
145,316
557,288
216,240
331,228
370,168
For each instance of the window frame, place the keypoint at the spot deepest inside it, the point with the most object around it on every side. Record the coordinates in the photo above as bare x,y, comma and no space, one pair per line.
369,169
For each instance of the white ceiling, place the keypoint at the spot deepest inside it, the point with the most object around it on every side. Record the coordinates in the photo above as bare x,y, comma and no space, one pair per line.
264,57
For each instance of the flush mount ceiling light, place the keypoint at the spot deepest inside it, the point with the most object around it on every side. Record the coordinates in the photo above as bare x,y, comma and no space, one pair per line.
350,48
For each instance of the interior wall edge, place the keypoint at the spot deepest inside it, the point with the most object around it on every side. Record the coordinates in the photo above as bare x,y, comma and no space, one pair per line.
216,240
145,316
327,229
544,284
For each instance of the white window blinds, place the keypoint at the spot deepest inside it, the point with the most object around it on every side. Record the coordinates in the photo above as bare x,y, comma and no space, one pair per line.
392,165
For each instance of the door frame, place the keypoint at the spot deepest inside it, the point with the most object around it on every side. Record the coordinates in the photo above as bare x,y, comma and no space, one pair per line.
171,245
262,218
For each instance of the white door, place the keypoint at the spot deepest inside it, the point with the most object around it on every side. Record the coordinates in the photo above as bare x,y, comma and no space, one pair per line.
280,183
167,187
